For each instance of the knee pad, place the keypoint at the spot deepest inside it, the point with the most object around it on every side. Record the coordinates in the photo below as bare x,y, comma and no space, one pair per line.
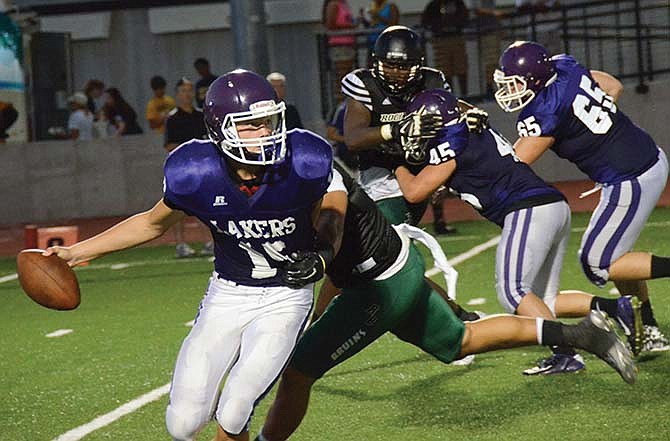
234,413
184,423
598,276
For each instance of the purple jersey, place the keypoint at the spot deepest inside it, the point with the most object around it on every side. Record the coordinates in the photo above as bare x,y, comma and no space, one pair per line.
488,174
252,234
589,129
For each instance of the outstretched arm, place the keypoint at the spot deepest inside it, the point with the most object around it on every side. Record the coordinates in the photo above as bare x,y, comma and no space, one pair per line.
131,232
418,188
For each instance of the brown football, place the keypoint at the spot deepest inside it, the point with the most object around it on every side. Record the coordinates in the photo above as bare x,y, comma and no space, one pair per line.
49,281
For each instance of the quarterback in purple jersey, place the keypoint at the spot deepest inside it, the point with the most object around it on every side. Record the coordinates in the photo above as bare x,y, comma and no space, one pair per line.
258,188
533,215
572,110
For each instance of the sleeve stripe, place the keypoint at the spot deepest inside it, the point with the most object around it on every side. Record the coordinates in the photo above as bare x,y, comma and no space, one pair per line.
352,78
362,99
354,88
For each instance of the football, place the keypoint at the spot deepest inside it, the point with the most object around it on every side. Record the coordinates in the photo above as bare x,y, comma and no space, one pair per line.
49,281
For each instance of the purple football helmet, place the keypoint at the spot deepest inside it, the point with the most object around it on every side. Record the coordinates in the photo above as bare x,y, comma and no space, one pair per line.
525,68
243,97
438,101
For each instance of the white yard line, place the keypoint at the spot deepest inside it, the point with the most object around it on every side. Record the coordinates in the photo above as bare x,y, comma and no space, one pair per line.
472,252
9,278
59,333
108,418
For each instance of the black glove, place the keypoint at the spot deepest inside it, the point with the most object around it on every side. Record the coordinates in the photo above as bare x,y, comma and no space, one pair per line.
476,119
307,267
416,125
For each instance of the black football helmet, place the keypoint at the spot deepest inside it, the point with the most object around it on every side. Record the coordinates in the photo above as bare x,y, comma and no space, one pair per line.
397,60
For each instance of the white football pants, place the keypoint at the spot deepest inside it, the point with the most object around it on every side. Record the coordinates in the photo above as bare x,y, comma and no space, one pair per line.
248,333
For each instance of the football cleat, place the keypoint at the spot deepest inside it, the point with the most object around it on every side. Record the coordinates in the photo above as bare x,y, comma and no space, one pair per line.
465,361
557,364
596,334
654,340
629,318
184,250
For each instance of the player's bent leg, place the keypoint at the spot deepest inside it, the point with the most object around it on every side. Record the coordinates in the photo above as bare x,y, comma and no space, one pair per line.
432,326
521,253
574,303
354,319
268,340
593,334
533,306
289,406
204,358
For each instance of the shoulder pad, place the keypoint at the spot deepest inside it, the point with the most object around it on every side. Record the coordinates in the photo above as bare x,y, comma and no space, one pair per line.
311,155
189,164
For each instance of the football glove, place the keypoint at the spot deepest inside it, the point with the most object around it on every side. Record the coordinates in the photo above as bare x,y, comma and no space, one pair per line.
307,267
416,125
476,119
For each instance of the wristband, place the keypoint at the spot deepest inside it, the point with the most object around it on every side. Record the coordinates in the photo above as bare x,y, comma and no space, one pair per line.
326,252
386,132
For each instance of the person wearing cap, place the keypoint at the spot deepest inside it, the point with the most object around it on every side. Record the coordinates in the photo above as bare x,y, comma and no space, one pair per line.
80,123
278,81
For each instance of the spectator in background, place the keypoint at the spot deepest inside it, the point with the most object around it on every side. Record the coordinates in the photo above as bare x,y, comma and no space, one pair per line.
119,114
337,16
278,81
335,134
80,123
160,105
206,78
94,90
184,123
381,14
8,116
446,20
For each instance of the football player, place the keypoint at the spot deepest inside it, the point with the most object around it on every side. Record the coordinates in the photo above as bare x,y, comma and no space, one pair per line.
533,215
258,189
375,125
572,110
384,290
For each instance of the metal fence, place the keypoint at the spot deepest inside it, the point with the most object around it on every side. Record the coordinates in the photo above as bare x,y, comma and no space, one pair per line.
627,38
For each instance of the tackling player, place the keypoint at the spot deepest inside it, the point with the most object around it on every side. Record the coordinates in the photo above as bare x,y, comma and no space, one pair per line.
533,215
572,110
258,189
384,290
375,125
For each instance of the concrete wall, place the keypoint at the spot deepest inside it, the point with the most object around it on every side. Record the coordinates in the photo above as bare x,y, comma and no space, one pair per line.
59,180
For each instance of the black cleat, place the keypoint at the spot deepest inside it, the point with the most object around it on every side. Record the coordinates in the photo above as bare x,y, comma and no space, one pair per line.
596,335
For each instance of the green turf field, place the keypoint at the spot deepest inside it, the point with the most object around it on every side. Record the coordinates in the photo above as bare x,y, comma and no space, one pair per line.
131,322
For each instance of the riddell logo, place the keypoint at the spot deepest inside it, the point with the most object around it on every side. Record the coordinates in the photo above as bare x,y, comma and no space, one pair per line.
391,117
348,344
